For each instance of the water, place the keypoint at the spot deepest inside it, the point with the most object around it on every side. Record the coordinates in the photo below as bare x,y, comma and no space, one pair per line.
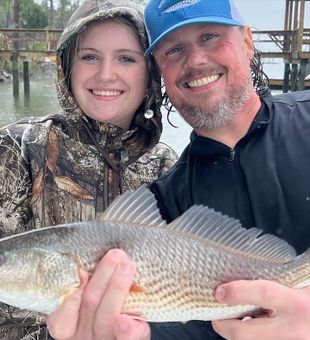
43,101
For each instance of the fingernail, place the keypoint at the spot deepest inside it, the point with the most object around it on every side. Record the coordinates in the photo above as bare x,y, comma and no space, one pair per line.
117,255
220,293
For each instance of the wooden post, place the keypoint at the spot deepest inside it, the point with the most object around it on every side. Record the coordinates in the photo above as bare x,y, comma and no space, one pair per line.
15,74
26,77
16,12
286,80
302,75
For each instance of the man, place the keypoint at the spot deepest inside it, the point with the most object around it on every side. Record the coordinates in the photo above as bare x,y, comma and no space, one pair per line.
248,152
249,157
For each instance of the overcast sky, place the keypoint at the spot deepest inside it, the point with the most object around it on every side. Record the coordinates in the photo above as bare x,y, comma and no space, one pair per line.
267,14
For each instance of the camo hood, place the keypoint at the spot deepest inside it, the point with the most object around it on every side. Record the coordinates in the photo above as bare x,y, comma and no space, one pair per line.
96,10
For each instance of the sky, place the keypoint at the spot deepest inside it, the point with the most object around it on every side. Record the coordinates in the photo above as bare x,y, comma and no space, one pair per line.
267,14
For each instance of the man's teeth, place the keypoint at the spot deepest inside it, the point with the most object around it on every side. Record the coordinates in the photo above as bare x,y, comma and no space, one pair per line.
111,93
203,81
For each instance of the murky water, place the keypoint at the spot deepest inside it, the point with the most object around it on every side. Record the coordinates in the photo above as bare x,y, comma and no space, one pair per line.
43,101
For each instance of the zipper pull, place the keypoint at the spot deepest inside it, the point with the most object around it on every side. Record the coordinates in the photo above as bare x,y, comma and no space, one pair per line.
232,155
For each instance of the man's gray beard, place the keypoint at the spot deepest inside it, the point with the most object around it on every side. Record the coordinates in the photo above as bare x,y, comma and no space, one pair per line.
218,116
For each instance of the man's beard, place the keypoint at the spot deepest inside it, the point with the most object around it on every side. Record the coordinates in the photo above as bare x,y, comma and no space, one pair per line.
219,114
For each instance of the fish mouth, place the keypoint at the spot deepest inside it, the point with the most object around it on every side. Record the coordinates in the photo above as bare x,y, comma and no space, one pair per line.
202,81
106,93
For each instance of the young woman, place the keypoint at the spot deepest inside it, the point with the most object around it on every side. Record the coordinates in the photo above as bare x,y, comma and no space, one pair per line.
70,166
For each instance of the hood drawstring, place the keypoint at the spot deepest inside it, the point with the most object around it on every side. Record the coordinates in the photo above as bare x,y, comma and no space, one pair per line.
110,163
113,162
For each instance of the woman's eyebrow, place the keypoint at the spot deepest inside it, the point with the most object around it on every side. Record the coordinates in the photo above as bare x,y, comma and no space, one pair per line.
121,50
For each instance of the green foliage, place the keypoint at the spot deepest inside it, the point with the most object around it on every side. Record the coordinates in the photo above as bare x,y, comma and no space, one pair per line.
38,14
32,15
5,11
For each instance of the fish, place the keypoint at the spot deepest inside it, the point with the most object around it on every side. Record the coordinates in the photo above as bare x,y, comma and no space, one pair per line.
179,265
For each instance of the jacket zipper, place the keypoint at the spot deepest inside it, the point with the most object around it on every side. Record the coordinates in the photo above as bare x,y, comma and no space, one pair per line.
232,155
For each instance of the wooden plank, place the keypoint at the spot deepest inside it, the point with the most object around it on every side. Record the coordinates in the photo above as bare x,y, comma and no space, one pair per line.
278,84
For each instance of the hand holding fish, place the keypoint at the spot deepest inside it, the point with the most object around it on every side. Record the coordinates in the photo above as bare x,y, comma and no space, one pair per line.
288,316
93,311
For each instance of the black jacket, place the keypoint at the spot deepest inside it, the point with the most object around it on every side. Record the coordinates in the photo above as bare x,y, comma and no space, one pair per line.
264,181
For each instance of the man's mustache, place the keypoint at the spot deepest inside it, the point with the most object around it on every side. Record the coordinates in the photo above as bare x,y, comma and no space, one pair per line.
190,73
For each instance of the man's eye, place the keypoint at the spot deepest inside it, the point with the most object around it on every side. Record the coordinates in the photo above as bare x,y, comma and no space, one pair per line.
208,36
173,50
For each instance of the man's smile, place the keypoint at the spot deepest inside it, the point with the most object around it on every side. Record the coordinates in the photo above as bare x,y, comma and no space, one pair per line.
203,81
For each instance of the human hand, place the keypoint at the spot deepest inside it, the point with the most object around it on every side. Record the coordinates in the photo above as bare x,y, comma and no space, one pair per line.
288,316
93,312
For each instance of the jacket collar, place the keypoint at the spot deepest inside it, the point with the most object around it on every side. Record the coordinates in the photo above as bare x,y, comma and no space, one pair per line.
204,146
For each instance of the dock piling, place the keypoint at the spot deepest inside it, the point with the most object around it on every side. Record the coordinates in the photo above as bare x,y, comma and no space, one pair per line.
15,74
26,77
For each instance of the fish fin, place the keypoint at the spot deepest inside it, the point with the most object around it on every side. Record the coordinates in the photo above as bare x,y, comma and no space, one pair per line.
69,293
136,289
137,207
221,231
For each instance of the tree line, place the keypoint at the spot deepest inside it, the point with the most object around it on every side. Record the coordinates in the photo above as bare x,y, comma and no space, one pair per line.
38,14
31,14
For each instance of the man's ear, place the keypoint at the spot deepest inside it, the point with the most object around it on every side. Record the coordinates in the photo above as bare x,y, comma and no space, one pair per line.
248,40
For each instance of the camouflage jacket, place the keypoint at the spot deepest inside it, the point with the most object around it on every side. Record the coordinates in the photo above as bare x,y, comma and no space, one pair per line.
53,171
66,167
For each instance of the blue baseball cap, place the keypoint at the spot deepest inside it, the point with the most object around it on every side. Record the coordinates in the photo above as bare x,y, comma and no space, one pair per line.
164,16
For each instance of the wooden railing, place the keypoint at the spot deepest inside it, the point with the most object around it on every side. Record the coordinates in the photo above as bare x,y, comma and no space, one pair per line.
40,42
28,42
283,44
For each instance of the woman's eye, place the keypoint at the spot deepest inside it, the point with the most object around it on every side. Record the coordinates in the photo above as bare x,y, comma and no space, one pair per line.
89,57
127,59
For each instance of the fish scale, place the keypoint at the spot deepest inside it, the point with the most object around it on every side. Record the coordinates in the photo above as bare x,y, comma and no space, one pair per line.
179,265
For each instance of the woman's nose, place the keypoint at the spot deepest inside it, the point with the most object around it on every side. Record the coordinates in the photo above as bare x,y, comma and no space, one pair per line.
106,71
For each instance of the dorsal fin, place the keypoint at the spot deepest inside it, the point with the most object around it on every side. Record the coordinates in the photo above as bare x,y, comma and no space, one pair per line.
137,207
221,231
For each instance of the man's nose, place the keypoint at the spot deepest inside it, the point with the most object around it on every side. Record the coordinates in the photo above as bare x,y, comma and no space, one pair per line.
196,56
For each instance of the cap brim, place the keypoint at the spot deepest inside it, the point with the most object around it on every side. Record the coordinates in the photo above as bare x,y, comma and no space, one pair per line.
203,20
